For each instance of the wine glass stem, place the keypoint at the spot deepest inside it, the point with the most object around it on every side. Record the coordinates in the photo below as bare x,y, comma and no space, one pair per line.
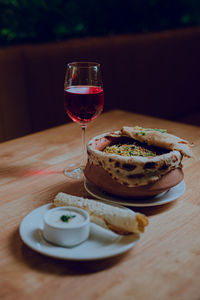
83,159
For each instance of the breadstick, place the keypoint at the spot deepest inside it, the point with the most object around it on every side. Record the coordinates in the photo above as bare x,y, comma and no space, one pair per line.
117,219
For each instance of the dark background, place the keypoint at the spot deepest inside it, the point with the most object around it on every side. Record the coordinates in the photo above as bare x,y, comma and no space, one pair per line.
36,21
149,52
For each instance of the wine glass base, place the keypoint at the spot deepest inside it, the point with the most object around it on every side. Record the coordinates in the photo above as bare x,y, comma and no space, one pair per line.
75,173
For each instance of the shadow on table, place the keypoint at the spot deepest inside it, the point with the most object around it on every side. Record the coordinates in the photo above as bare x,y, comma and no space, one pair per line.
70,186
33,260
76,188
154,210
44,264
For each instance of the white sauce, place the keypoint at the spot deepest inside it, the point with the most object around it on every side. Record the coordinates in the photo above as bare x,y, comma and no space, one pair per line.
54,218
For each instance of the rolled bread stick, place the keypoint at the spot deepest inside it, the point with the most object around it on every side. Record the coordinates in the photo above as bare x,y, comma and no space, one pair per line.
119,220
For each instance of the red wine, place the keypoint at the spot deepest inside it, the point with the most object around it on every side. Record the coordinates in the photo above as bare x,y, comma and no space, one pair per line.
83,103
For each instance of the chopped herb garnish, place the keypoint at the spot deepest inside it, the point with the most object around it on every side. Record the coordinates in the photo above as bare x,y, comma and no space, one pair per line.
160,130
156,129
129,149
66,218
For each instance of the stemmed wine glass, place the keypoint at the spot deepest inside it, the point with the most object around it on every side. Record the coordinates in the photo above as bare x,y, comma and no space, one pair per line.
83,102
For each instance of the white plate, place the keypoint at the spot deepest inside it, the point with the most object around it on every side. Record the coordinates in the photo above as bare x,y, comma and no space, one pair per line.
101,244
163,198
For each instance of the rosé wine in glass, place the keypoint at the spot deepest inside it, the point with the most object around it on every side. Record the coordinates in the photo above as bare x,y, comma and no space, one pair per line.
83,102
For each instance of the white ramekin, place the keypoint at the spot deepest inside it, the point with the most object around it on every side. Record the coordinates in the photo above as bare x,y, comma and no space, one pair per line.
67,236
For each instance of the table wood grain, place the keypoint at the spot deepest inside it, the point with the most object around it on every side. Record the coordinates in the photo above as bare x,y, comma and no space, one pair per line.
164,264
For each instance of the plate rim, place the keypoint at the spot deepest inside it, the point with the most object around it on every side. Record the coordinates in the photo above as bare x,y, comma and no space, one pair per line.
138,203
131,240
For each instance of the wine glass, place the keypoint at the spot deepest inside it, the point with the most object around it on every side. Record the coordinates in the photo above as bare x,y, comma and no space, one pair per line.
83,102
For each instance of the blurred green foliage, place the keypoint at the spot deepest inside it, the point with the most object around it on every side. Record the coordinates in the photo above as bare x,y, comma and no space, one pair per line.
35,21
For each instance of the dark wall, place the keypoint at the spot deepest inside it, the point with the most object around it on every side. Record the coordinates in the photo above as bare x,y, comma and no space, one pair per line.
155,74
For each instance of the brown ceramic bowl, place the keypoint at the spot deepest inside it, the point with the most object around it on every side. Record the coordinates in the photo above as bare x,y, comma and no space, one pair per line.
96,174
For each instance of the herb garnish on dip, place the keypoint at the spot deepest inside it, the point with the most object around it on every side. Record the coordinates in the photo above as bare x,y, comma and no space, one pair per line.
66,218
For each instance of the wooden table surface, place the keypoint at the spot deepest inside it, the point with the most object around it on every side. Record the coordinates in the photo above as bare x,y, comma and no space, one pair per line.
164,264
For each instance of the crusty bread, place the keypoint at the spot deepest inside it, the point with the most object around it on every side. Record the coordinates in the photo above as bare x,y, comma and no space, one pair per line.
131,171
135,171
158,138
118,219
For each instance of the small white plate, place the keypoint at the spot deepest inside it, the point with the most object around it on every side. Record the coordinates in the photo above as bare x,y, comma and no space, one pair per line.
101,244
163,198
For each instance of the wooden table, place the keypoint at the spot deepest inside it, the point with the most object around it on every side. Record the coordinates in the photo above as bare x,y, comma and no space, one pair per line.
164,264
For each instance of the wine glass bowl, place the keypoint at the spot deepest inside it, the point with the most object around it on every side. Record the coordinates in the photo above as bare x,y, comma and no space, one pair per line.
83,101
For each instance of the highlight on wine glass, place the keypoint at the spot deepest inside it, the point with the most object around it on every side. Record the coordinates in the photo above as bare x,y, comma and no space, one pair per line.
83,102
